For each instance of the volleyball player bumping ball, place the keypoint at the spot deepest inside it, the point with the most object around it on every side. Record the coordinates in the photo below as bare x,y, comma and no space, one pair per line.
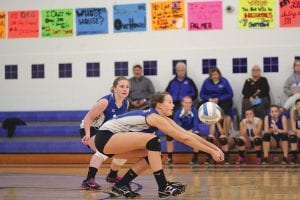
129,135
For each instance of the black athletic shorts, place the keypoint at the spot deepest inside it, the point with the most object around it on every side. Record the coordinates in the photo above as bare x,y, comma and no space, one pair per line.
102,137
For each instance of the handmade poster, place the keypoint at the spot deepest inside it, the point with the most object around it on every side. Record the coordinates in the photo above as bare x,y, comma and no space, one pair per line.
57,23
289,13
91,21
23,24
168,15
256,14
130,17
204,15
2,25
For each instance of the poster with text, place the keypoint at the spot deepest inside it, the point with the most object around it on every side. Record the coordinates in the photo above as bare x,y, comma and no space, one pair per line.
91,21
168,15
289,13
130,17
256,14
57,23
23,24
204,15
2,24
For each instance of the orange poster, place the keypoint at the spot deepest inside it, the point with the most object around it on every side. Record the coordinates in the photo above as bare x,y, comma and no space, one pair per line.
168,15
23,24
289,13
2,24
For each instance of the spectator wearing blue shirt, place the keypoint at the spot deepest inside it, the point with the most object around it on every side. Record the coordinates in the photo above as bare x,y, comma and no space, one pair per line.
217,89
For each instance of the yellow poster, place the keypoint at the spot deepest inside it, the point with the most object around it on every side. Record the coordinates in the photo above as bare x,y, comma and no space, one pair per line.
168,15
256,14
2,24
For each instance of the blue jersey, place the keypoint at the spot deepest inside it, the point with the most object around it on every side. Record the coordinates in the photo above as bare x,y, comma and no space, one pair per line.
188,121
278,122
134,121
111,111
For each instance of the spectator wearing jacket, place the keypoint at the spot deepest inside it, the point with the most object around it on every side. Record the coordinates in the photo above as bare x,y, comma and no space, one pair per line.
217,89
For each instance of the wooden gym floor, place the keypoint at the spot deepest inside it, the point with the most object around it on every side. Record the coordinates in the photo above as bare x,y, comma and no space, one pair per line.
217,182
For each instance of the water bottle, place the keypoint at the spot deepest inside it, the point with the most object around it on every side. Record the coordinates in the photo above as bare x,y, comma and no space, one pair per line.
278,101
273,123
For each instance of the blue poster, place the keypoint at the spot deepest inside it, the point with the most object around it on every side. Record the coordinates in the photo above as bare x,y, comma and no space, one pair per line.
91,21
130,18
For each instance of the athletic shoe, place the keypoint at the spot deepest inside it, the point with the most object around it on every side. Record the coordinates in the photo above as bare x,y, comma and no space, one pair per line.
265,161
284,161
169,161
113,180
90,185
208,160
194,162
293,161
125,191
227,160
178,185
258,160
240,160
169,190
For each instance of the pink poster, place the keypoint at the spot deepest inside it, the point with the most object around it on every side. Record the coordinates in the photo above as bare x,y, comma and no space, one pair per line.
205,15
23,24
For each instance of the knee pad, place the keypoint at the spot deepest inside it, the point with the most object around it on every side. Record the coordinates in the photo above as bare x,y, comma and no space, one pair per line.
257,141
240,142
223,141
153,144
119,162
266,138
284,137
210,139
293,139
101,155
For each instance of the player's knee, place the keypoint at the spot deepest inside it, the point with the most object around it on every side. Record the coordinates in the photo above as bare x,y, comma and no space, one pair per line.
153,144
293,139
240,142
223,141
101,156
257,141
119,162
284,137
267,138
210,139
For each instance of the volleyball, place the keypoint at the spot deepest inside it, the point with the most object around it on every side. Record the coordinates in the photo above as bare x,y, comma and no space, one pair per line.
209,113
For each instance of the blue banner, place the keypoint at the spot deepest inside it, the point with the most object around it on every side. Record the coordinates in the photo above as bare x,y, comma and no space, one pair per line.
130,18
91,21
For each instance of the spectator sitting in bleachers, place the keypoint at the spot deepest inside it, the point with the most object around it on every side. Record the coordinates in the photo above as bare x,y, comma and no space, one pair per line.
221,133
256,93
275,134
250,136
294,134
217,89
292,87
141,89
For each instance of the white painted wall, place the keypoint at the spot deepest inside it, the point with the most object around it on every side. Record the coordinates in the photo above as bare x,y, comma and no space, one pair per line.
80,92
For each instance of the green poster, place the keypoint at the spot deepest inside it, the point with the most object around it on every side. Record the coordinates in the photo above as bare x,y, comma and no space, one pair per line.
57,23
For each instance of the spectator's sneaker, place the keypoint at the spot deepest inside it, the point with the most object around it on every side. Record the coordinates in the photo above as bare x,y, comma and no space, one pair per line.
169,161
125,191
194,162
208,160
284,161
169,190
227,161
240,160
90,185
113,180
258,160
265,161
293,161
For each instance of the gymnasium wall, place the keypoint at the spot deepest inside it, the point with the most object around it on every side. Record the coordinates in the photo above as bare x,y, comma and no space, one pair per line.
80,92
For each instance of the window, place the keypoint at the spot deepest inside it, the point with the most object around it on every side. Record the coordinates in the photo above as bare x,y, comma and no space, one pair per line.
11,71
207,64
121,68
65,70
92,69
150,68
270,64
239,65
37,71
175,63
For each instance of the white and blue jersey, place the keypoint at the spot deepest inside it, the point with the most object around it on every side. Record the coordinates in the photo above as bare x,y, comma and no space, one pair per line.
111,111
134,121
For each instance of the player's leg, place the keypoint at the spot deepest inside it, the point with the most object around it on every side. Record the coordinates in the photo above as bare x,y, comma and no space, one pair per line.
170,150
243,142
294,147
257,142
266,147
284,143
